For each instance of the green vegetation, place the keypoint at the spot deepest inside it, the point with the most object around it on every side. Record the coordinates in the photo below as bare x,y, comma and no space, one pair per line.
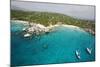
47,18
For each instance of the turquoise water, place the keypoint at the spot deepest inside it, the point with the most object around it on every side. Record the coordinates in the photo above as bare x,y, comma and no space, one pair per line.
58,46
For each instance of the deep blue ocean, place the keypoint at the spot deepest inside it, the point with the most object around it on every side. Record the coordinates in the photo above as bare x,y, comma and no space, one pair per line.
58,46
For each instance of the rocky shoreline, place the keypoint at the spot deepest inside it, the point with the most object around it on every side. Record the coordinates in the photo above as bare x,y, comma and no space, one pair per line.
35,29
38,29
90,31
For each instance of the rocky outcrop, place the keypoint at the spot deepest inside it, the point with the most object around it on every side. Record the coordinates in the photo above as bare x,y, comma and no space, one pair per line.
90,31
35,29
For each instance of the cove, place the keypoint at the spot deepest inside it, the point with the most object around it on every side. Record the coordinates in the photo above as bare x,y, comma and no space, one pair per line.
58,46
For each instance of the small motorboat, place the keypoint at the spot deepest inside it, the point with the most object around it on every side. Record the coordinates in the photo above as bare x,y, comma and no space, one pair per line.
77,54
24,29
89,50
27,35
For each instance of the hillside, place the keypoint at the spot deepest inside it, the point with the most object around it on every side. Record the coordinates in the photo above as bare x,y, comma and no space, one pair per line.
47,18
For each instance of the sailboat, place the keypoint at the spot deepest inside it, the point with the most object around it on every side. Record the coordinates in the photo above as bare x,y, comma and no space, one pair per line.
89,50
77,54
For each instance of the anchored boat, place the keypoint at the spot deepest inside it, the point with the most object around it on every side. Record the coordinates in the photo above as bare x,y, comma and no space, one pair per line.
77,54
27,35
89,50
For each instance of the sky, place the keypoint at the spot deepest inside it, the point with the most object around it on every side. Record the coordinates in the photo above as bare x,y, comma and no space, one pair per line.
78,11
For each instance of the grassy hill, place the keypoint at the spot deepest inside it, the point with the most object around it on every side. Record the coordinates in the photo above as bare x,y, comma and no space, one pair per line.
47,18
